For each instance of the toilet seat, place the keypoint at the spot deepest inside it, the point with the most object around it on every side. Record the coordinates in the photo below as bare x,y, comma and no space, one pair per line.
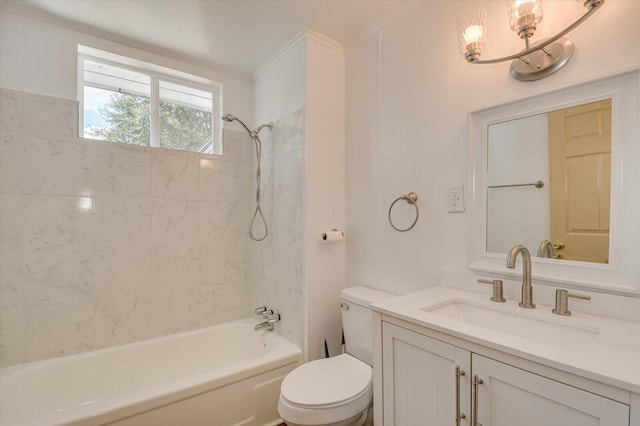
326,391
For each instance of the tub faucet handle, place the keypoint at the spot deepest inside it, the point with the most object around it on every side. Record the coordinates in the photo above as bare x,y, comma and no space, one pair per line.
267,313
275,317
260,310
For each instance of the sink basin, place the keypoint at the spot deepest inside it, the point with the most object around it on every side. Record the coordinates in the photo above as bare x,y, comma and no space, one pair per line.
550,332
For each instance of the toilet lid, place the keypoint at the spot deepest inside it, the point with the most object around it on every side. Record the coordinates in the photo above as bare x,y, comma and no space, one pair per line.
328,381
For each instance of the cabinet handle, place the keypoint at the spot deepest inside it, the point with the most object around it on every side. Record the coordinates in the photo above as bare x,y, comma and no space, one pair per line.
474,411
459,415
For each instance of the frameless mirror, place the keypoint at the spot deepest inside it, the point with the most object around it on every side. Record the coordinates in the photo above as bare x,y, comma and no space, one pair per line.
560,167
548,183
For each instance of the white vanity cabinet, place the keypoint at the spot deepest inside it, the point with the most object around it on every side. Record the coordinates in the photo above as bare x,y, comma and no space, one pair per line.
420,387
511,396
425,380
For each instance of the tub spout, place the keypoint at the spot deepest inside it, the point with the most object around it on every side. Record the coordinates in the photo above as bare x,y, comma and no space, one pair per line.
269,323
264,326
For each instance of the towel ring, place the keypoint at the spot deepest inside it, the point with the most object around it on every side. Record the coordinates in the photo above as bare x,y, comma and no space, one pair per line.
410,198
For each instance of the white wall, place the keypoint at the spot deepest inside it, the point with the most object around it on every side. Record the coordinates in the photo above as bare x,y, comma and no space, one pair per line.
324,193
409,93
280,85
41,57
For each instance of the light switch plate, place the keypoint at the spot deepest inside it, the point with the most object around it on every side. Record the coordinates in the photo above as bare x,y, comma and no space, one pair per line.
455,199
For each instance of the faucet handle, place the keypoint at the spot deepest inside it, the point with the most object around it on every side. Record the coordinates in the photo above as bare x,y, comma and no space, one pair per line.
274,317
497,289
562,301
264,311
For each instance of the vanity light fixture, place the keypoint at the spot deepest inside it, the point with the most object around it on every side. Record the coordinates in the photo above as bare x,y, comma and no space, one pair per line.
534,62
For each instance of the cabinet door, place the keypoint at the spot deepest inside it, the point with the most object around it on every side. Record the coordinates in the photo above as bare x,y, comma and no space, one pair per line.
510,396
419,379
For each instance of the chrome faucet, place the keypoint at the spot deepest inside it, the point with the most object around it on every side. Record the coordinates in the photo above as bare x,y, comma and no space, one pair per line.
527,290
269,323
546,249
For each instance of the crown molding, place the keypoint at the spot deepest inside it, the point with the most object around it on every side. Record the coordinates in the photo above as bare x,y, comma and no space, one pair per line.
277,57
324,40
304,35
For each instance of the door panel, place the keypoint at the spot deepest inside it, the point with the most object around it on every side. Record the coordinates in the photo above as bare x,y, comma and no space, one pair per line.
580,181
510,396
419,379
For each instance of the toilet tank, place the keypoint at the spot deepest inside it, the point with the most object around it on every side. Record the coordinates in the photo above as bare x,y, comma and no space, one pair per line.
357,320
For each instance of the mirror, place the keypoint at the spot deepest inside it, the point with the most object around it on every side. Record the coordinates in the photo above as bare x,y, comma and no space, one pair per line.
548,183
589,185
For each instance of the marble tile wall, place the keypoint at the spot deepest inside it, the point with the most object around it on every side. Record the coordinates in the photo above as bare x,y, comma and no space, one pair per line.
277,262
103,243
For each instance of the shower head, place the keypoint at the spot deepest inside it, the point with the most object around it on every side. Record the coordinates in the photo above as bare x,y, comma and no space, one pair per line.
253,133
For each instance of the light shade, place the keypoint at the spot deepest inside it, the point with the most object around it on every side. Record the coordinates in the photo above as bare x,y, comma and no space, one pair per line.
472,30
524,15
533,62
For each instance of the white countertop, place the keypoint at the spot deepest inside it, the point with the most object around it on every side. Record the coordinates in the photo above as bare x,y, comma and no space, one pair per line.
613,357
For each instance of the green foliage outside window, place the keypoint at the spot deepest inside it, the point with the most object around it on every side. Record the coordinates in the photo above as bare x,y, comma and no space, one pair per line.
181,127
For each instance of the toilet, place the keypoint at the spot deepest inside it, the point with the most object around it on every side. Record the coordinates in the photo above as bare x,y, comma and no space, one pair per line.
337,391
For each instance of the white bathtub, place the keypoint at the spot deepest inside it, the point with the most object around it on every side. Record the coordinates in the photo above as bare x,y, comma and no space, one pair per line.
223,375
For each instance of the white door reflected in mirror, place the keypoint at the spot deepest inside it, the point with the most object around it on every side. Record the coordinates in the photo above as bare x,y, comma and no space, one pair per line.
549,178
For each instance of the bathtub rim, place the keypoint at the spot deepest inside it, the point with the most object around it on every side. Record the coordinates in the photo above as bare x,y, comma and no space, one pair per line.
174,391
12,369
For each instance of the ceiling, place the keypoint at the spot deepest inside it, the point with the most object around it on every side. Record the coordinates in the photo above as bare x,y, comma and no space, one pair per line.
238,35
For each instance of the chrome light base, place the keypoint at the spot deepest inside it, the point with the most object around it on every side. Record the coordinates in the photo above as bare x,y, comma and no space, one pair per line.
543,62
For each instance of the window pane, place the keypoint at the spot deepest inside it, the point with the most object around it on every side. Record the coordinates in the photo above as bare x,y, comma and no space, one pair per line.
120,106
118,79
116,117
186,118
116,104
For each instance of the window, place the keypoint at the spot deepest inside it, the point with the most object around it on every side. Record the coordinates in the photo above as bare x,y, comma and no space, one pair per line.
138,105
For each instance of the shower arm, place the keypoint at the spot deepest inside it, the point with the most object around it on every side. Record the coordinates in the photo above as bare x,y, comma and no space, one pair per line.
268,125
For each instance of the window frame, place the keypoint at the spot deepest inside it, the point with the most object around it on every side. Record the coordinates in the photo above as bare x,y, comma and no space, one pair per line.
215,88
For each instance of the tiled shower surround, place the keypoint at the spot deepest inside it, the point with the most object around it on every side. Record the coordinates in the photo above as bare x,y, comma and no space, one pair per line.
277,262
104,243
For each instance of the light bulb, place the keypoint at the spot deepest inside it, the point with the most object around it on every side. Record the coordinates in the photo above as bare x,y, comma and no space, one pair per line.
524,15
524,7
471,33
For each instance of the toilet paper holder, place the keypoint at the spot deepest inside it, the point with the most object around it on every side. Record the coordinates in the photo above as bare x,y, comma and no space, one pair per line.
332,236
411,198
